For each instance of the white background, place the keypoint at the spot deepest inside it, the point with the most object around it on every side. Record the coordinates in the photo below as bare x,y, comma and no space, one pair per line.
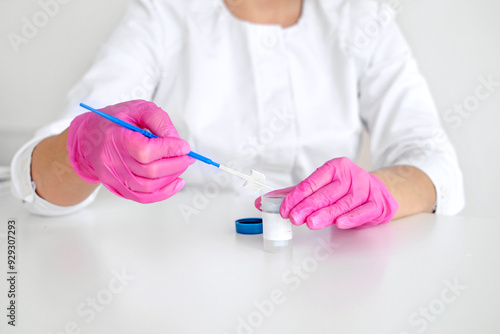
454,41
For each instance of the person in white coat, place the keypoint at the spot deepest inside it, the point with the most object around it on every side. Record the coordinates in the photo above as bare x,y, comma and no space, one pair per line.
282,86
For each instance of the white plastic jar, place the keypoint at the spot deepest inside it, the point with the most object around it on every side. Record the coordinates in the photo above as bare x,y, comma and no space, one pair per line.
277,231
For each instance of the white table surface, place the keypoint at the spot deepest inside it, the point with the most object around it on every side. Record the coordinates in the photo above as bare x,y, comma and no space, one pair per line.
197,275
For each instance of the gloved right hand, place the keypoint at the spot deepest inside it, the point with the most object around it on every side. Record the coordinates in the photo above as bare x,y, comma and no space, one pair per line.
126,162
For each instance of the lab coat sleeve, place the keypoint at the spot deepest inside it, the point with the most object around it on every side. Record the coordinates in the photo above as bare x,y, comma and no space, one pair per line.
125,68
400,115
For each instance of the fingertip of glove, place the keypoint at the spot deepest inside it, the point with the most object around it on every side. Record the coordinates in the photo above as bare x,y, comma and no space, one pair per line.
343,223
175,147
294,221
186,148
258,203
284,213
284,209
312,224
183,147
180,183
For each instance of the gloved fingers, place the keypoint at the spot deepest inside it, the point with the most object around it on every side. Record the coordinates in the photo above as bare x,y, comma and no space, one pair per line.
361,216
318,179
156,120
146,150
160,168
323,197
168,191
326,216
258,200
147,115
145,185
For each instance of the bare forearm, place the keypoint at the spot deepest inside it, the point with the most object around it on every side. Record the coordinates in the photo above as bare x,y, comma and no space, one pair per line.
54,177
410,187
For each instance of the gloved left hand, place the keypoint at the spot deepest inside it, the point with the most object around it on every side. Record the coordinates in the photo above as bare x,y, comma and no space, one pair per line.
339,192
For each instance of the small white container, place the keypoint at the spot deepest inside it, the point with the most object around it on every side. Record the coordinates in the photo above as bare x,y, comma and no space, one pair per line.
277,232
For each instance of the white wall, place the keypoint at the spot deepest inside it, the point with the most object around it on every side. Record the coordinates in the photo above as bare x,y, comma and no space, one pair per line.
35,80
455,42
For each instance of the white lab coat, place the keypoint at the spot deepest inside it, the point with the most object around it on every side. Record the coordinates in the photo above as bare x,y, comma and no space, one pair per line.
280,100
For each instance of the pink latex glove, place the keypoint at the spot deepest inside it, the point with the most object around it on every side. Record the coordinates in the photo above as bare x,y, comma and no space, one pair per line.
339,192
129,164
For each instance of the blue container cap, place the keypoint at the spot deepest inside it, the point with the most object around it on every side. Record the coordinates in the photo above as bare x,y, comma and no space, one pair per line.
249,226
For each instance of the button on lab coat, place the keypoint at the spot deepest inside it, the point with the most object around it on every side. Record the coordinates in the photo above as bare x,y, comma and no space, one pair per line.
279,100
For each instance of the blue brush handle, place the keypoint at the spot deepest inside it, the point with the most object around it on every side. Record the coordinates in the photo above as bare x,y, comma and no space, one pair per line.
145,133
204,159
